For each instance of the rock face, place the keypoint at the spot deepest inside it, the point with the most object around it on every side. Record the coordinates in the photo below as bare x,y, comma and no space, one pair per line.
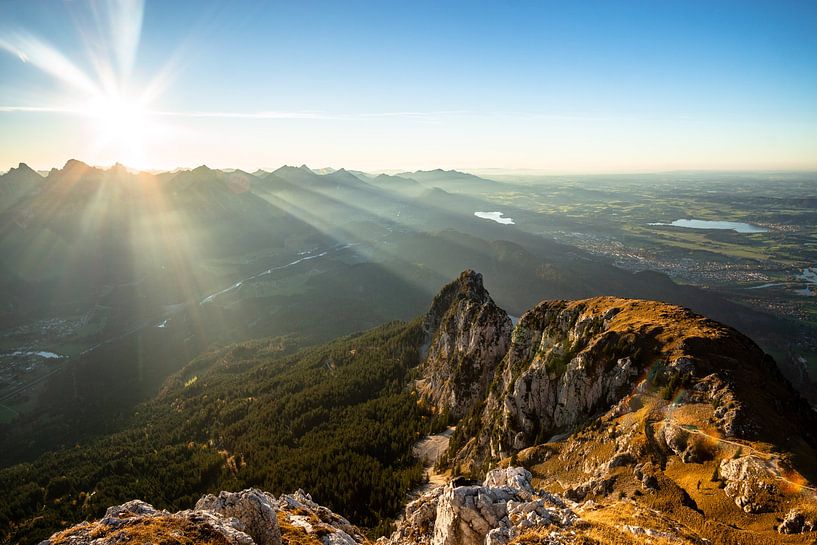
502,508
568,361
249,517
468,336
553,376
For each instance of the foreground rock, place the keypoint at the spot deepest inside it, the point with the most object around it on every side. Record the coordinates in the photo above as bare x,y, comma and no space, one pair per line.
249,517
502,508
139,522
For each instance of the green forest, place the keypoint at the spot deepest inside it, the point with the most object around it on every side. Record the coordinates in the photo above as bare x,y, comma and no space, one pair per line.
338,421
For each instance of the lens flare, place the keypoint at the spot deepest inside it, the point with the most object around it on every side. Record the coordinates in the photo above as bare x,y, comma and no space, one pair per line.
100,88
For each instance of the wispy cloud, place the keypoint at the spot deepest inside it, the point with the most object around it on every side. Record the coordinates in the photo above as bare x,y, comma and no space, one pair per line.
246,115
32,50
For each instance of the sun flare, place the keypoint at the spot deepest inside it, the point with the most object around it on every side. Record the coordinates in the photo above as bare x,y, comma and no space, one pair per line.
121,125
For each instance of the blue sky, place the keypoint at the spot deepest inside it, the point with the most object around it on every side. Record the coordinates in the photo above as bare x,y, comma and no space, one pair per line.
556,87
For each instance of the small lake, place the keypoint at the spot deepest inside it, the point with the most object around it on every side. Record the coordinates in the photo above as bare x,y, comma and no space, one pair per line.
494,216
722,225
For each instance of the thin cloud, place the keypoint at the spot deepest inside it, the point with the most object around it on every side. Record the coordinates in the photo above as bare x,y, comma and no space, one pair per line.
39,109
246,115
31,50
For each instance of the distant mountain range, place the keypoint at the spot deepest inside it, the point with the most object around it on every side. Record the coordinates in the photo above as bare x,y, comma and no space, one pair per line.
449,180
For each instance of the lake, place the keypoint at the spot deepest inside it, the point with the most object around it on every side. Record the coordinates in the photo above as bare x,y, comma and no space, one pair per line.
722,225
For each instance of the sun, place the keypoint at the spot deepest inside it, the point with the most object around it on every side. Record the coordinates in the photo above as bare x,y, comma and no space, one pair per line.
122,127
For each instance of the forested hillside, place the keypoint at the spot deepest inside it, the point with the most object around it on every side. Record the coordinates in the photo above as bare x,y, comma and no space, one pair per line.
336,420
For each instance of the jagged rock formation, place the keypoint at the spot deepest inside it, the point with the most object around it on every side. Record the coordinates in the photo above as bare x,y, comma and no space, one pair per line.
468,336
608,400
249,517
500,509
255,510
571,360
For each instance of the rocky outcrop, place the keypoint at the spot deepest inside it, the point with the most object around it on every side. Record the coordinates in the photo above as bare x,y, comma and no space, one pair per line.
300,514
571,361
249,517
798,522
500,509
749,482
137,521
254,509
468,336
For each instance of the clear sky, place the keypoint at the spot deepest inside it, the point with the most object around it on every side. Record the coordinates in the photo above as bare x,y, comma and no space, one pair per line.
557,87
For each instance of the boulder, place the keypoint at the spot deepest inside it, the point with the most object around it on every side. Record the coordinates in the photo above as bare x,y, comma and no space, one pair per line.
503,507
254,509
749,482
797,522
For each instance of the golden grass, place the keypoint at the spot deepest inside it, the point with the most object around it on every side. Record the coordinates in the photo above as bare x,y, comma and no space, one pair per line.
161,530
710,514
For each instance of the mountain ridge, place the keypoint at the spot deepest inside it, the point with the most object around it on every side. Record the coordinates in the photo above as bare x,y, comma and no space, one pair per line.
644,398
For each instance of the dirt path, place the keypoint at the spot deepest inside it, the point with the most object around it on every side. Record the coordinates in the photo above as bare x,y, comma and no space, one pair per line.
429,449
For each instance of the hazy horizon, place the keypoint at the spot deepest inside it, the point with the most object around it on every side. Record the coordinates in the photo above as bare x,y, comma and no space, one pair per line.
542,87
499,172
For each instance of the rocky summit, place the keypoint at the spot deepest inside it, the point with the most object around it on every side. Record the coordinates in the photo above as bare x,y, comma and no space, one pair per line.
596,421
468,336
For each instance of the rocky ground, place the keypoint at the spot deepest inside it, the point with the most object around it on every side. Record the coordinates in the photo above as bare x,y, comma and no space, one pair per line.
506,508
249,517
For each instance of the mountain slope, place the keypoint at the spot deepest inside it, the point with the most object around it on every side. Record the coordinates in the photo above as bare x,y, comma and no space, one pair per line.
337,420
454,181
613,400
633,421
17,184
